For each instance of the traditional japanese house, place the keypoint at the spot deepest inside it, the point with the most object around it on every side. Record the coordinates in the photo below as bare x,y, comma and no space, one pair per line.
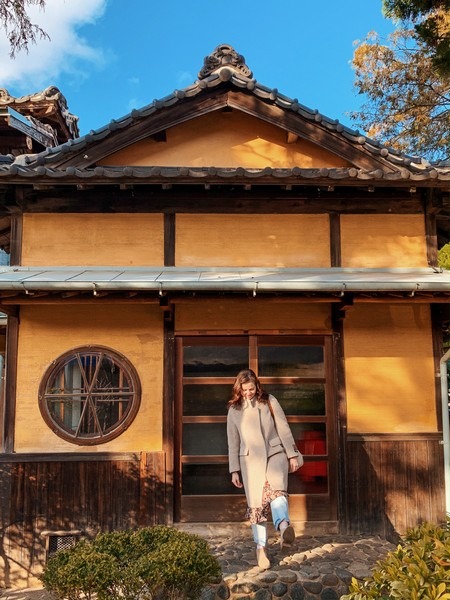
223,226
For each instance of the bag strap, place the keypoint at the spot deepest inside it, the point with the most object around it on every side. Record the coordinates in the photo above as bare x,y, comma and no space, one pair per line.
271,410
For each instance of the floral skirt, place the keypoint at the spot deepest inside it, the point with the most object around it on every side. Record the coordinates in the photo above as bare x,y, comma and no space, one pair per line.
262,513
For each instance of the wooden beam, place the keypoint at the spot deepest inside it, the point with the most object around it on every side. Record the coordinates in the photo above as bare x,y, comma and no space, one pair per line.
169,239
169,378
431,230
10,385
335,240
11,311
15,258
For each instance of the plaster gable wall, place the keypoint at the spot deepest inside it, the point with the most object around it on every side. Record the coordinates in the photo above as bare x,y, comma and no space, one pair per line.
225,139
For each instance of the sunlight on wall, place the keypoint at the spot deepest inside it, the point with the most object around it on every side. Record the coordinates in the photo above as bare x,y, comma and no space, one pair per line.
388,240
252,240
225,139
46,332
93,239
389,369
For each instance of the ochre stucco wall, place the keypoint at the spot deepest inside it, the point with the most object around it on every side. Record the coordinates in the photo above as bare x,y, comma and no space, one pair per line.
389,369
377,241
46,332
225,139
252,313
252,240
93,239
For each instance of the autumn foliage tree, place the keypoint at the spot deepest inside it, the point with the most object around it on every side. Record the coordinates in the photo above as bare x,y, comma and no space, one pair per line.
431,22
407,101
16,21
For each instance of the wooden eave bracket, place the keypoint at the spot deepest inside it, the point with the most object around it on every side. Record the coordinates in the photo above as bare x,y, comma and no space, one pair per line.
9,310
167,307
344,305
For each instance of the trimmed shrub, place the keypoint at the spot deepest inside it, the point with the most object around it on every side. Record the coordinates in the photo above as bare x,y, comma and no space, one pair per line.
419,569
146,564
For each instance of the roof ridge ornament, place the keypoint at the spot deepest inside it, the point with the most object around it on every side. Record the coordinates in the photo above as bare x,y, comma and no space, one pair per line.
224,56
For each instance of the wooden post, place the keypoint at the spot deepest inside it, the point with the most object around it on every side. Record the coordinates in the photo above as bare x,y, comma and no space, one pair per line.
10,388
335,240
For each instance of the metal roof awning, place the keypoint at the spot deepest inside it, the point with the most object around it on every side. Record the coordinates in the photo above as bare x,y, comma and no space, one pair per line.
233,279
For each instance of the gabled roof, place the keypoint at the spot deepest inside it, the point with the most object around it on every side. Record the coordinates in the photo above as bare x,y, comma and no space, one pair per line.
48,107
224,82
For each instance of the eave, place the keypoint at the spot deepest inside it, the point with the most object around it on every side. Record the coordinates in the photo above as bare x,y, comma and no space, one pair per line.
41,175
163,280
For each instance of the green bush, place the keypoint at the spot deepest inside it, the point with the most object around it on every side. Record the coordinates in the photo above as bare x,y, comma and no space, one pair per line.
444,257
419,569
146,564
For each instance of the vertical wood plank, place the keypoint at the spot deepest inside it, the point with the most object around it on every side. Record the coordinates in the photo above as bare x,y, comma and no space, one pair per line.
341,413
15,257
431,230
10,387
439,314
335,240
169,379
394,485
169,239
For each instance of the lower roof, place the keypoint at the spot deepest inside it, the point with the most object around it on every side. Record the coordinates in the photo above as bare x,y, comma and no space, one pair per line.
232,279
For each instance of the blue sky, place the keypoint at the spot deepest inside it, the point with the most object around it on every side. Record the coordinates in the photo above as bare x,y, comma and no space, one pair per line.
110,56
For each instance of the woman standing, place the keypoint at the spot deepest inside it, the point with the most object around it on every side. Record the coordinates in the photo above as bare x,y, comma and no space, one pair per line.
261,452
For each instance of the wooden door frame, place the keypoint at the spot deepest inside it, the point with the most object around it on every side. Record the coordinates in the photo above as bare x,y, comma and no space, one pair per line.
330,418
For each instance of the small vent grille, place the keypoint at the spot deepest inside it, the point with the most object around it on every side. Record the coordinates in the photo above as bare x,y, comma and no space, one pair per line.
60,542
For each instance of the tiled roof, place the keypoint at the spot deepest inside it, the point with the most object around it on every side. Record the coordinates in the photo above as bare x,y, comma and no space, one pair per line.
232,279
221,175
225,66
32,102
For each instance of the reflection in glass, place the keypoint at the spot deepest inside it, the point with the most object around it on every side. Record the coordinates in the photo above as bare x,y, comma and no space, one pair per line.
299,398
200,479
214,361
205,438
310,479
291,361
310,437
210,400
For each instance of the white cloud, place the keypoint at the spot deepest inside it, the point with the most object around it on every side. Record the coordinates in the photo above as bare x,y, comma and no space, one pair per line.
66,52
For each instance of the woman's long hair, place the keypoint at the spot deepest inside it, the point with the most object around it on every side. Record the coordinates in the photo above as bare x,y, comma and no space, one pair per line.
246,376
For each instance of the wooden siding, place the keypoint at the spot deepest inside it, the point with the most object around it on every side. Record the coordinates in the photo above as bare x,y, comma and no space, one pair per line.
46,332
393,483
383,241
231,240
91,494
225,139
93,239
389,369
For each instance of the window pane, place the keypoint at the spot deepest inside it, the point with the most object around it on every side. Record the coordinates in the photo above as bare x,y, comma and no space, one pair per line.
202,479
310,437
214,361
300,398
205,438
291,361
89,394
312,478
208,400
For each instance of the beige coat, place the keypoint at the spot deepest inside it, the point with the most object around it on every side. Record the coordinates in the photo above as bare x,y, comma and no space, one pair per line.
258,449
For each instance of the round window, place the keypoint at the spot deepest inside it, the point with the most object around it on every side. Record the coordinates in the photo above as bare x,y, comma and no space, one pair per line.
89,395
